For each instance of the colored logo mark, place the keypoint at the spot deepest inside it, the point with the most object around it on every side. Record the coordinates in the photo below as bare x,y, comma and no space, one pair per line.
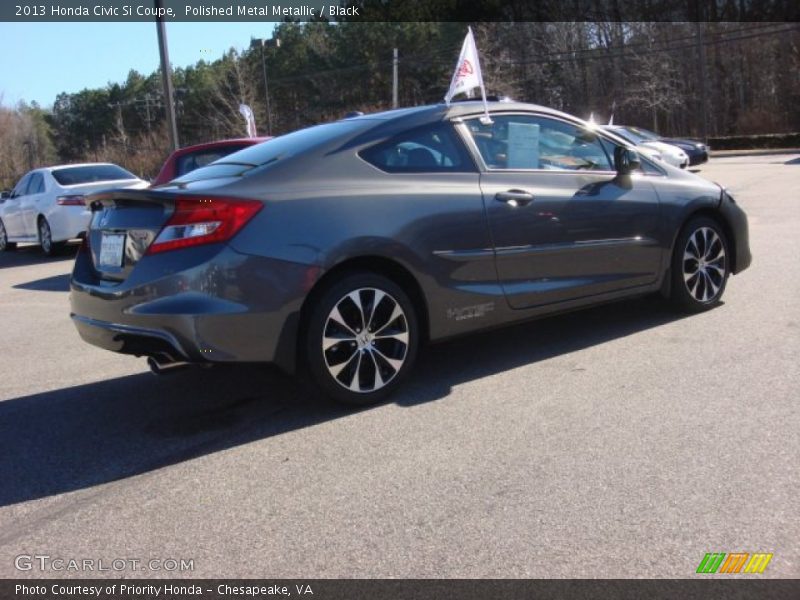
734,562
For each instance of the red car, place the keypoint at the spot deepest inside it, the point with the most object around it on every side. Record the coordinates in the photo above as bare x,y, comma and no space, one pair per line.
190,158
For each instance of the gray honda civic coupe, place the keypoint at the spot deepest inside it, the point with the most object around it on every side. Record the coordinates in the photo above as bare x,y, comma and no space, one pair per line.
340,248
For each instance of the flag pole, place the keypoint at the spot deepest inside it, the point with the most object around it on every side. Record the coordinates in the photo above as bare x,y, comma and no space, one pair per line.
485,119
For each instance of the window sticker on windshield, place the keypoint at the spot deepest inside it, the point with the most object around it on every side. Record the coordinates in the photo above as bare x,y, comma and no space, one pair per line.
523,146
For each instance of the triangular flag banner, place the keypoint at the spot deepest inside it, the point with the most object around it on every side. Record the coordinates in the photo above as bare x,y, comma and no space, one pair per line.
467,75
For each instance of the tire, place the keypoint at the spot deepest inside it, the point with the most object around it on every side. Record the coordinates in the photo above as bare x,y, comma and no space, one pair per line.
49,247
700,265
377,342
5,245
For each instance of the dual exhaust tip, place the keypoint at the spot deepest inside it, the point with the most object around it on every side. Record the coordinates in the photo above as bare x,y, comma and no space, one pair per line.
165,365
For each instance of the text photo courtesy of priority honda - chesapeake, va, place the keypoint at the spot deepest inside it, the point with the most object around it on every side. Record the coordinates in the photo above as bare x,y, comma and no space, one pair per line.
399,299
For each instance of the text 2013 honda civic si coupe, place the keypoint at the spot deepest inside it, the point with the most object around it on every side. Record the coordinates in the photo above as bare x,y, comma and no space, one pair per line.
343,246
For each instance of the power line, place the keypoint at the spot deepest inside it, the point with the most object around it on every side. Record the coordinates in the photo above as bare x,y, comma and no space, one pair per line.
624,51
590,53
598,53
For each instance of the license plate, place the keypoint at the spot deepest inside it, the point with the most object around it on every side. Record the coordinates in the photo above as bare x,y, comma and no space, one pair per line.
112,247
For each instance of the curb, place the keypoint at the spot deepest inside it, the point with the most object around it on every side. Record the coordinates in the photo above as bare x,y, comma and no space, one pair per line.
753,152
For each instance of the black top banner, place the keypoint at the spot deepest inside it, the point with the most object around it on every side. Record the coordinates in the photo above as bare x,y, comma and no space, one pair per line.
398,10
399,589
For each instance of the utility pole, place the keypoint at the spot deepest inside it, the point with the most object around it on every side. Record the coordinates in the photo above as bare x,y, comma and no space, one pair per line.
266,89
166,75
701,48
394,78
147,109
273,43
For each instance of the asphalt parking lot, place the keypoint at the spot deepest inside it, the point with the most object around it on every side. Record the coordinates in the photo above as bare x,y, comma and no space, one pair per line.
623,441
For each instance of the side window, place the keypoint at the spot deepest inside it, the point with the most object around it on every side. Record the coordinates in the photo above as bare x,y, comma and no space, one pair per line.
36,185
531,142
21,188
425,150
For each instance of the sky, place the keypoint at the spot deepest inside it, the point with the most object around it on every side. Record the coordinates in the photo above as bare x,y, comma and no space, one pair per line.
38,61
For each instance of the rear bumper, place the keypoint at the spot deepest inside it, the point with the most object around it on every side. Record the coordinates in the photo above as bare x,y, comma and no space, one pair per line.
698,158
129,340
198,305
68,222
678,162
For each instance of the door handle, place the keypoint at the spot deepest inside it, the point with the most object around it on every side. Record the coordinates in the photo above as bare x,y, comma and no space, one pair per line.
514,197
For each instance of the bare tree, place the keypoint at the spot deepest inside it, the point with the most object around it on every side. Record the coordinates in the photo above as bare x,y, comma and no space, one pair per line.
655,85
24,142
232,86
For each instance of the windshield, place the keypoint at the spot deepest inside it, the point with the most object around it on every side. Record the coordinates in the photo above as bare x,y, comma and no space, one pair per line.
622,133
629,135
644,133
90,174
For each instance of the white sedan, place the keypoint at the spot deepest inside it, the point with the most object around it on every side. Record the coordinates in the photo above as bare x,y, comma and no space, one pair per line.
672,155
47,206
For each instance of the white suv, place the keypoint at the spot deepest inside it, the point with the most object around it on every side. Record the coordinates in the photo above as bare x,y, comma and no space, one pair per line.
47,207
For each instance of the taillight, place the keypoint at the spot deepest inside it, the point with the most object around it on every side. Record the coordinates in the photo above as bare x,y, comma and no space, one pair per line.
199,220
74,200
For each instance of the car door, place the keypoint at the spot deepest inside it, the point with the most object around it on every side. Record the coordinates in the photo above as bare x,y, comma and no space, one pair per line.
30,205
12,209
564,224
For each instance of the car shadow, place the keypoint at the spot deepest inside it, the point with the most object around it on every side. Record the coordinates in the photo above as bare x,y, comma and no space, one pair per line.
32,255
794,161
56,283
79,437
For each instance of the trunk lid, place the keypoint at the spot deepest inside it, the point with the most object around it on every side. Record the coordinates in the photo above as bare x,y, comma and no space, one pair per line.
124,223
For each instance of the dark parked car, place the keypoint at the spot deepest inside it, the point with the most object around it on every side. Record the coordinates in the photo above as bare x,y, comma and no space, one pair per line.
189,158
697,151
344,246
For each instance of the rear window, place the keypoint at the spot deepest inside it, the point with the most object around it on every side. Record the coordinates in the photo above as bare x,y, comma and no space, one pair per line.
292,143
90,174
201,158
